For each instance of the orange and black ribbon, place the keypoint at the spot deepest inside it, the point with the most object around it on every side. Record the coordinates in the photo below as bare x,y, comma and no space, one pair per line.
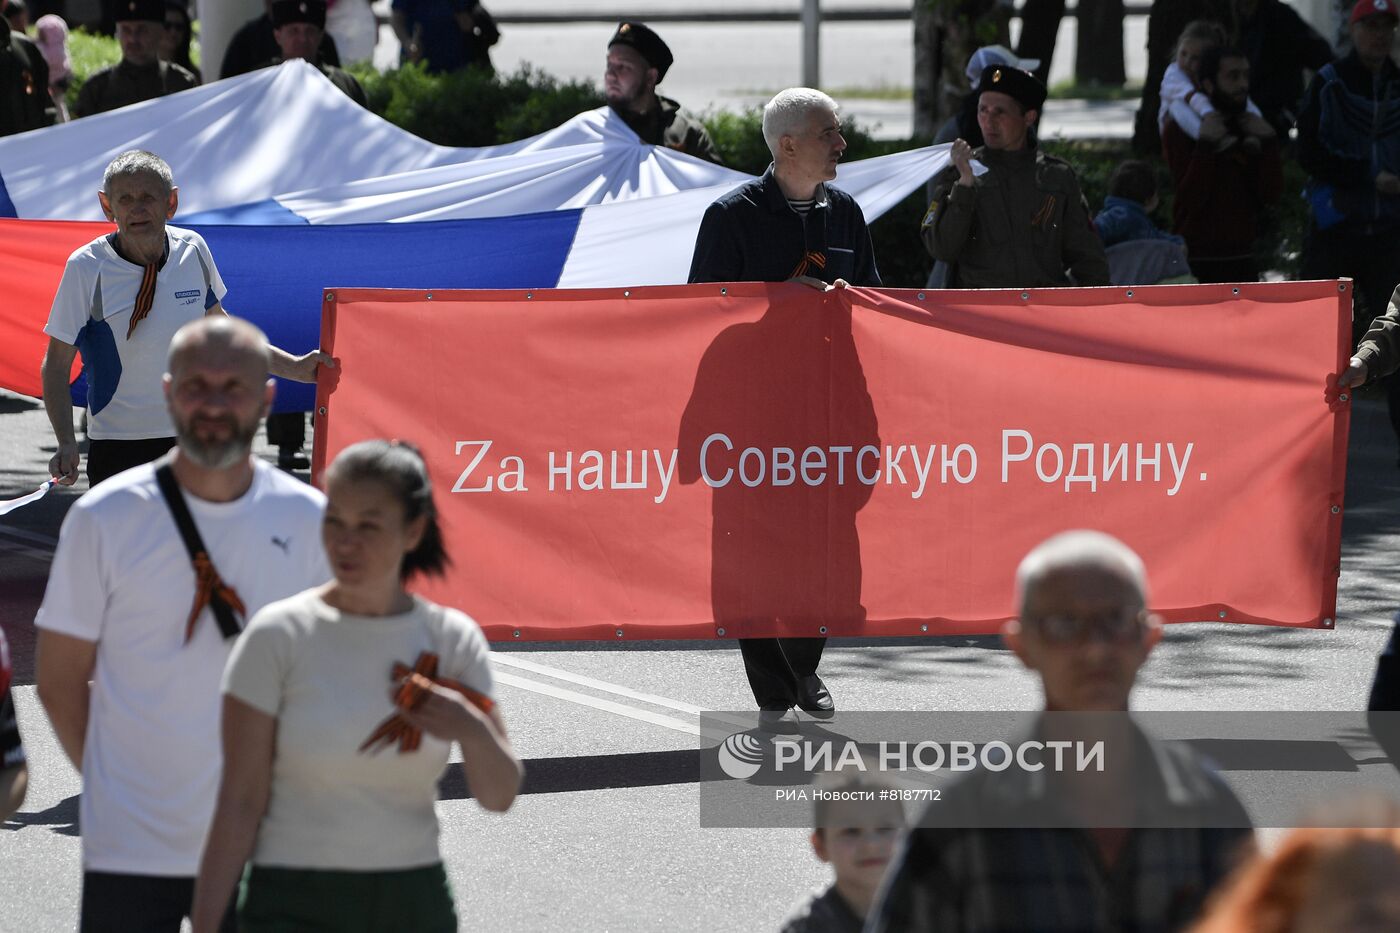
210,590
812,258
1046,211
413,688
144,299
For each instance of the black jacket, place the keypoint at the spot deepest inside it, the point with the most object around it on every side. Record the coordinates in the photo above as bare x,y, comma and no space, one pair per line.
25,103
753,235
1280,44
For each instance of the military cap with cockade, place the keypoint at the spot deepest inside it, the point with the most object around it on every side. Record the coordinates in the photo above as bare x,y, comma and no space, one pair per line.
647,43
1019,85
144,11
299,11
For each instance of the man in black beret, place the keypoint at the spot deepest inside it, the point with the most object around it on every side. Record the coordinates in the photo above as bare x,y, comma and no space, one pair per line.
25,103
1022,224
637,61
299,26
254,45
140,75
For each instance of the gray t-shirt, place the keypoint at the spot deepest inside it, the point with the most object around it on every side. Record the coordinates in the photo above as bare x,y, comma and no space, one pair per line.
326,676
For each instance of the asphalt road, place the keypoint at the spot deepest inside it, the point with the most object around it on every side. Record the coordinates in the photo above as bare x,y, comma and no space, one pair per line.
607,834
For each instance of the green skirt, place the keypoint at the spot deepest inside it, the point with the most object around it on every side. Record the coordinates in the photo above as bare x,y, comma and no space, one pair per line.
283,900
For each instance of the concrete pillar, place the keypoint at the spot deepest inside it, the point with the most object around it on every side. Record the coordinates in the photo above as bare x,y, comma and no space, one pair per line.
218,21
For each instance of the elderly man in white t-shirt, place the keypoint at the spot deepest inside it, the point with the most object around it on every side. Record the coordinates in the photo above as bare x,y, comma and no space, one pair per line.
154,572
121,299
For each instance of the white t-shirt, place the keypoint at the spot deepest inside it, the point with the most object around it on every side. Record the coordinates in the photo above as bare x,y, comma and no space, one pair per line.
326,676
92,310
121,577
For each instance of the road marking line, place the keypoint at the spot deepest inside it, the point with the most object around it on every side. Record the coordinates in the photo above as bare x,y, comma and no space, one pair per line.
631,712
503,658
30,536
21,550
500,658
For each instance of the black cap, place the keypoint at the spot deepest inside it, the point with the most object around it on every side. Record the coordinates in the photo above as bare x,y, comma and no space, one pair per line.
1019,85
143,11
647,43
14,7
299,11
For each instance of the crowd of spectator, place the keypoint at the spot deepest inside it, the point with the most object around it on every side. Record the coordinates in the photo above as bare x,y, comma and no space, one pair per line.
1226,110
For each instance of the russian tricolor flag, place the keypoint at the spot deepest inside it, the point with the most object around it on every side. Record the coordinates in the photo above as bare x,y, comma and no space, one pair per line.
297,189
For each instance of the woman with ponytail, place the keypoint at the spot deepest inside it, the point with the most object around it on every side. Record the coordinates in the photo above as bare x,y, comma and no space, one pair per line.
340,708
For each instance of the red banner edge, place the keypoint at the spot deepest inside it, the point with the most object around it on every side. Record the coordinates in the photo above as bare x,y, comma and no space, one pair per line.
1341,430
506,633
321,419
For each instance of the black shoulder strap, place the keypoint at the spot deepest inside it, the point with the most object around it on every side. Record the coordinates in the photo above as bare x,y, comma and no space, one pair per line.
194,545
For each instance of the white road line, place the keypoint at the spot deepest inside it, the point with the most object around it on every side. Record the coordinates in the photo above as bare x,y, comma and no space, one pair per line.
509,660
500,658
30,536
20,550
631,712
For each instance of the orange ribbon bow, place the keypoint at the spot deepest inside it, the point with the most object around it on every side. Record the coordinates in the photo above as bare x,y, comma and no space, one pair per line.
208,586
812,258
414,687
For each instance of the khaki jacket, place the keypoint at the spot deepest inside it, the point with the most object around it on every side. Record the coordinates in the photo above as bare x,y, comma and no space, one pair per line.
1022,224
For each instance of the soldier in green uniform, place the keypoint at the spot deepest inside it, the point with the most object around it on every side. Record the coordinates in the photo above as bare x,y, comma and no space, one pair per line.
25,103
637,61
299,26
1022,224
140,75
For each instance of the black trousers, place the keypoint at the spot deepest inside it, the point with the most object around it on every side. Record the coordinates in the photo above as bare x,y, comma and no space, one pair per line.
110,457
114,903
775,665
287,431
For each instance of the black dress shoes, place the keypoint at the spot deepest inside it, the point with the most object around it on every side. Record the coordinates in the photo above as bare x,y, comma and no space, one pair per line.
814,699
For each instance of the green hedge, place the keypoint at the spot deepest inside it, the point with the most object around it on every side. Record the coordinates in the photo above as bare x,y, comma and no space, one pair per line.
473,108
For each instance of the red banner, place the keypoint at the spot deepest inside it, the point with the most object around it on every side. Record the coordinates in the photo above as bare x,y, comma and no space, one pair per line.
720,461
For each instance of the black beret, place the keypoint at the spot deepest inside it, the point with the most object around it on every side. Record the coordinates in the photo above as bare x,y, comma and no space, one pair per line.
647,43
145,11
1019,85
299,11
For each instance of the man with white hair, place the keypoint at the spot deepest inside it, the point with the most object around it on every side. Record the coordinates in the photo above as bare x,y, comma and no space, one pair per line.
122,297
155,572
1074,862
789,224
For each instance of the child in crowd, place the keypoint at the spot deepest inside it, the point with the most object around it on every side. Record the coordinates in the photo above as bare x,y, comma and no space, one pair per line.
857,839
1139,253
52,39
1182,98
1132,197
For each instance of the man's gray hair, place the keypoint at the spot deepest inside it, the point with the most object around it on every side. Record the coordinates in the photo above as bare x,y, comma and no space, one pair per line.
1078,550
138,162
787,112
